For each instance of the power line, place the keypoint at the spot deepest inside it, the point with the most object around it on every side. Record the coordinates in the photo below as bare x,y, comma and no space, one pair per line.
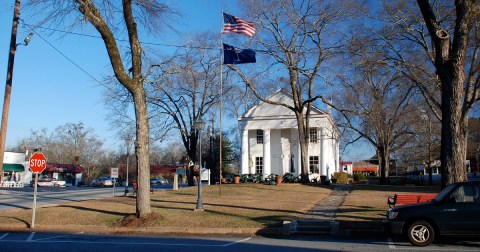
61,53
121,40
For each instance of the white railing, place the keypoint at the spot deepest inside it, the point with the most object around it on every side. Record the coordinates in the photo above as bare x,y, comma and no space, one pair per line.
11,184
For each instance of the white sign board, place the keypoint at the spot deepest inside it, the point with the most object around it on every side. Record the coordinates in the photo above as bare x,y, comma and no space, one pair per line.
114,172
205,174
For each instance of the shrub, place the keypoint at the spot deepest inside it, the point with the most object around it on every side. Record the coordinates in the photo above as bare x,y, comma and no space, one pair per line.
342,177
358,177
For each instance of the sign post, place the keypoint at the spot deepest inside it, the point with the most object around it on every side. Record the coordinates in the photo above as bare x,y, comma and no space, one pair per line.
114,175
38,163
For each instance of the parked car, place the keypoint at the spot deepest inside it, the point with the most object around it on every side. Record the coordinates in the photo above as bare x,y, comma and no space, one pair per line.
158,181
454,212
102,182
116,181
48,181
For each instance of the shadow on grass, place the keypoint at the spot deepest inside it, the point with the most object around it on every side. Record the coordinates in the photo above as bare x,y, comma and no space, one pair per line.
94,210
226,206
27,224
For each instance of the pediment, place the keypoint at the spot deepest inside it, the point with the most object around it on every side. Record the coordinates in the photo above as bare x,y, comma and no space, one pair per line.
265,110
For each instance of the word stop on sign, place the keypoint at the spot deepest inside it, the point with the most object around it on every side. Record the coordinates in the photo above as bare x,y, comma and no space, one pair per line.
37,163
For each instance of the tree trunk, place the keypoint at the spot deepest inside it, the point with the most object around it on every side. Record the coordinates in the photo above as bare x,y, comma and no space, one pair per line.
453,151
142,151
450,55
454,124
384,163
303,142
192,154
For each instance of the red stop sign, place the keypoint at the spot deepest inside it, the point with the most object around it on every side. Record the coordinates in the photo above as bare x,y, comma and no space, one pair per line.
38,162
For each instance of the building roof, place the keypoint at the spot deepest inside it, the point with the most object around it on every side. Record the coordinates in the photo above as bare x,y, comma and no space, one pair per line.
365,169
364,166
70,168
167,169
271,116
264,109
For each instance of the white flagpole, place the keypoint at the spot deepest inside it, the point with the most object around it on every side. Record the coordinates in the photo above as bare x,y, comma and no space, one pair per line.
221,107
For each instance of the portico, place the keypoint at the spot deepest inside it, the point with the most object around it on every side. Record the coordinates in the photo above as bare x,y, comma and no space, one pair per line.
270,142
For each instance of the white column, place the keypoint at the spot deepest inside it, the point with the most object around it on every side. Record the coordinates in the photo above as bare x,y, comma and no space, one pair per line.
245,161
267,169
323,161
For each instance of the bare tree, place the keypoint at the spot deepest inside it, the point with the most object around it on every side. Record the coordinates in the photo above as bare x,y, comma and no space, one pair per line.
108,18
458,85
436,44
298,38
72,143
378,104
184,90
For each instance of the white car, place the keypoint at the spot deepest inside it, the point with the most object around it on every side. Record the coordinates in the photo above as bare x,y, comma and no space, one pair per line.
48,181
158,181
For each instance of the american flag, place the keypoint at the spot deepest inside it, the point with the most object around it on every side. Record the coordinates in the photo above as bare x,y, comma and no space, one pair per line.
237,25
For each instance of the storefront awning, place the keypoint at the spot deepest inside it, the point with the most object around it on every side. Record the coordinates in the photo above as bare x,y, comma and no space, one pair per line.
13,167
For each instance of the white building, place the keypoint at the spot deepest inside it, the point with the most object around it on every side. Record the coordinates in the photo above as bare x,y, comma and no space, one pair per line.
270,142
16,168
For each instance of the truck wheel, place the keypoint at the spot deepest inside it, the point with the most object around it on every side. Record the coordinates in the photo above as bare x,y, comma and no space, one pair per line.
421,233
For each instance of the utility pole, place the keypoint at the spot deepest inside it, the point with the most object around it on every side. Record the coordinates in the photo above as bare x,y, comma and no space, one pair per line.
8,85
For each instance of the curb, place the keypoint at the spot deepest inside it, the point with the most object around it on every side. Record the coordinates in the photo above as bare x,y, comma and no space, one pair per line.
144,230
281,231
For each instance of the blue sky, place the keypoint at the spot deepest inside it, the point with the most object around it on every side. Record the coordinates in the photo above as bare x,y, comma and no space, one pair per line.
49,91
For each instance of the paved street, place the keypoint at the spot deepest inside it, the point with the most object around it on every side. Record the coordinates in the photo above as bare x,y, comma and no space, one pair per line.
22,198
83,242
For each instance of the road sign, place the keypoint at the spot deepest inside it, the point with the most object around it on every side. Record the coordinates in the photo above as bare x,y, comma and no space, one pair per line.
114,172
38,162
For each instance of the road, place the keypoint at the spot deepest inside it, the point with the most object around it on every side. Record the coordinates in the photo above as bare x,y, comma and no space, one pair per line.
22,198
83,242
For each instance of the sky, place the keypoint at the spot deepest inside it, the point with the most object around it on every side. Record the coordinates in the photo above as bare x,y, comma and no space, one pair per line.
55,78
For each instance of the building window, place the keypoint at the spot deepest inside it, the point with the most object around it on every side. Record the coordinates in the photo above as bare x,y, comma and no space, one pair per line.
259,165
259,136
314,164
313,135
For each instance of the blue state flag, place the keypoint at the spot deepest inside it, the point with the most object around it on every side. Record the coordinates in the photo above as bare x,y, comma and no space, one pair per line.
232,55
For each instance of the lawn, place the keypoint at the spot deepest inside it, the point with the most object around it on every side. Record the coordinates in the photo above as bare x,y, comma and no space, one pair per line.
240,205
366,205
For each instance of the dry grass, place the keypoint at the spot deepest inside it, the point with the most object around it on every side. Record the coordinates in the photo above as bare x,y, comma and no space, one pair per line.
242,205
366,205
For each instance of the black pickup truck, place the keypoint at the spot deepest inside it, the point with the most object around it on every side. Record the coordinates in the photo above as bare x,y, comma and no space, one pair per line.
454,212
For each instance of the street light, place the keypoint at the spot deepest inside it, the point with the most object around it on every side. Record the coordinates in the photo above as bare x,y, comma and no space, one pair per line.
210,155
128,140
8,84
199,124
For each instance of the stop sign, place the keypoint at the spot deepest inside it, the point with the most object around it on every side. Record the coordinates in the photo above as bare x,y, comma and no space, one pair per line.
38,162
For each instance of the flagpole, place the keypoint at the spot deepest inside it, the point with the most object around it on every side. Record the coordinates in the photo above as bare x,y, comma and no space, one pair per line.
221,107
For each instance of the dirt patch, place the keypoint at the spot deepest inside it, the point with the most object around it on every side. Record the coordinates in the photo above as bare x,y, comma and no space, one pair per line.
146,221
